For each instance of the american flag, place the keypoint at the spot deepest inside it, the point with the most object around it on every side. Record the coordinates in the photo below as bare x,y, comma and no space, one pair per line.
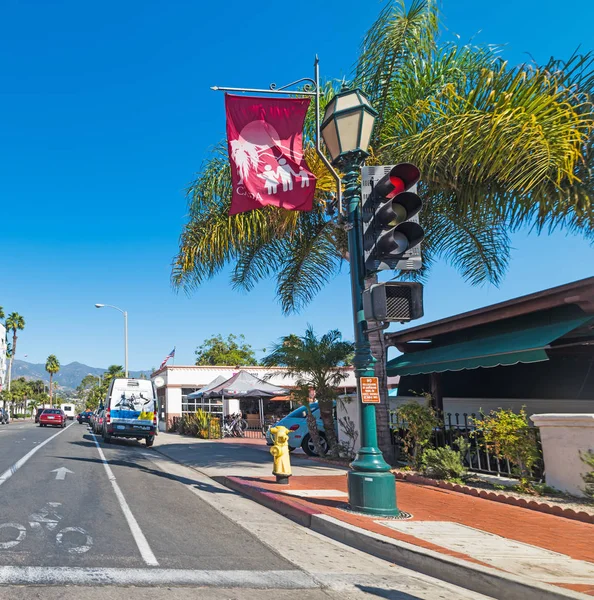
170,355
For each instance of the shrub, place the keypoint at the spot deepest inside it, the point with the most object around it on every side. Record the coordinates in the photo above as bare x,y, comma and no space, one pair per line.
442,463
508,435
418,420
588,459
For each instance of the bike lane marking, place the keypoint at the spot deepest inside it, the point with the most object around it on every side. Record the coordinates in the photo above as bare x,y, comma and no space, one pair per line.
141,541
19,463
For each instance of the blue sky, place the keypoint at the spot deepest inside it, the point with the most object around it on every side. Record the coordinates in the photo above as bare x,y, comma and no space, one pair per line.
106,114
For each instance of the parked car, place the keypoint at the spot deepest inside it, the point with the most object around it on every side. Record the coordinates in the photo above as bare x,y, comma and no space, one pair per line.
299,436
38,414
55,417
85,416
131,410
4,416
97,426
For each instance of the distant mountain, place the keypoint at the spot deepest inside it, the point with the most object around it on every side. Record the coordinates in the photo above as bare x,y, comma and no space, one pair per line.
69,375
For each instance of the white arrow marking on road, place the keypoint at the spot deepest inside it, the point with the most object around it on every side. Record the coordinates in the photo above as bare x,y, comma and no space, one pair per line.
61,472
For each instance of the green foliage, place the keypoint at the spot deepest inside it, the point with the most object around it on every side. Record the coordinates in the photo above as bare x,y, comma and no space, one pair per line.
232,351
201,424
314,363
499,148
588,459
508,435
418,421
442,463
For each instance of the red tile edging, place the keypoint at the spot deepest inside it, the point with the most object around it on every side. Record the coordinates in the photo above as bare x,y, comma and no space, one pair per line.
551,509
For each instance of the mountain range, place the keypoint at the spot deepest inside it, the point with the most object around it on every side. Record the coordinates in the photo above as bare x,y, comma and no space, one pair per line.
69,376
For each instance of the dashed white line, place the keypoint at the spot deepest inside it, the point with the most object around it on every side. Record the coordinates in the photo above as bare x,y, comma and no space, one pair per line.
141,541
19,463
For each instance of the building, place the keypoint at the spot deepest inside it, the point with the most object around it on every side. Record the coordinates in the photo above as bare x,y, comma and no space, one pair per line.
3,361
535,351
180,381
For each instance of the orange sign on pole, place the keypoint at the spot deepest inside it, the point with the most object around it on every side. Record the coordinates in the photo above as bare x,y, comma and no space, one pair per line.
370,390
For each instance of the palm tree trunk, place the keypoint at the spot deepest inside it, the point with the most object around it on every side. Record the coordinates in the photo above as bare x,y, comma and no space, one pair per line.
314,434
50,391
327,416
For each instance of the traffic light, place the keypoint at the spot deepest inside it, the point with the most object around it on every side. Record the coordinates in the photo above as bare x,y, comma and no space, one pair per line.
393,301
390,208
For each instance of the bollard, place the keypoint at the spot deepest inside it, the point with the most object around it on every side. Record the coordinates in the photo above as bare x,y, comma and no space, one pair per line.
280,453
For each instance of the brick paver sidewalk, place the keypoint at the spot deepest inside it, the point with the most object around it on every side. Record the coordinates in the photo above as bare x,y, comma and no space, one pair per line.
440,522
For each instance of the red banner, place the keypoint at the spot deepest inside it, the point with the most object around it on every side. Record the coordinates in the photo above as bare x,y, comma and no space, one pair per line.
265,137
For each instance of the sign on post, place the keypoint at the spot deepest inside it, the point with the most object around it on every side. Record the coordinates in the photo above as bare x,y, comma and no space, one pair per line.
370,390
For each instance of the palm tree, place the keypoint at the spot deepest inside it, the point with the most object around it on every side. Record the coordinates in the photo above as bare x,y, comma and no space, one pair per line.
315,362
52,366
1,313
15,323
499,148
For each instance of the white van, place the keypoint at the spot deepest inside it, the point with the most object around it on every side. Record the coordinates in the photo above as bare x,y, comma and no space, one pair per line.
131,410
70,410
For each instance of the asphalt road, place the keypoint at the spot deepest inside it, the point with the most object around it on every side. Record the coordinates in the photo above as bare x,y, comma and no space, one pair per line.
84,519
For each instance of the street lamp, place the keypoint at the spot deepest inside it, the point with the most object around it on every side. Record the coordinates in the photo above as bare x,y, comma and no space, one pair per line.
346,129
125,332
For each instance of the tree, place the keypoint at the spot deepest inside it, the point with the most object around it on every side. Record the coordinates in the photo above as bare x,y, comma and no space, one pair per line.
14,323
232,351
1,313
499,148
52,366
315,363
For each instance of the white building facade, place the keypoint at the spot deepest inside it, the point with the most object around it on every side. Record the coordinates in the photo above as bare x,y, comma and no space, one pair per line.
180,381
3,361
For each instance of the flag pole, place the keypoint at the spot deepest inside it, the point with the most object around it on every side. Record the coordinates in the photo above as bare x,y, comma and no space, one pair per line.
311,88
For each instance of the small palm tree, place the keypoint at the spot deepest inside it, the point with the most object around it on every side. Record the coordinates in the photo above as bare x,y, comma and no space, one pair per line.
14,323
52,366
1,313
315,362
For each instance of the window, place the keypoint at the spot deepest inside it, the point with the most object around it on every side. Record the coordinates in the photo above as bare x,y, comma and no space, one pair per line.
188,406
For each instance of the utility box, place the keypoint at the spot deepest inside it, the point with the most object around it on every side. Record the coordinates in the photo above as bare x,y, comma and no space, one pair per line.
396,301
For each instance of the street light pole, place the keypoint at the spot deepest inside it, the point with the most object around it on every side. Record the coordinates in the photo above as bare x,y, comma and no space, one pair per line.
125,313
346,129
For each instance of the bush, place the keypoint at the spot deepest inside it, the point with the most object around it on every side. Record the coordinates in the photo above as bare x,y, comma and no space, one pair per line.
418,420
442,463
509,436
588,459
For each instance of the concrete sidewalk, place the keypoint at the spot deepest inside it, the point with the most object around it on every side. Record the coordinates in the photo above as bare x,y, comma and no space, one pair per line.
495,549
234,456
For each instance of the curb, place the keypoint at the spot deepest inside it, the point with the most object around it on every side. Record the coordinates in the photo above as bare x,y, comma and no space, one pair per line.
544,507
484,580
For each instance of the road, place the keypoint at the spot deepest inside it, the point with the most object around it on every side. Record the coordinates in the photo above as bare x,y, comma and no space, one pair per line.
83,519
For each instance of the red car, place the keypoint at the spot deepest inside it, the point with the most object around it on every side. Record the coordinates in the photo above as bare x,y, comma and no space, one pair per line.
52,416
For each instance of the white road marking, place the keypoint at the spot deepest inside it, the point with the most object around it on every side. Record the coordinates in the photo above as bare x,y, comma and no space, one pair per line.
61,473
143,546
75,549
19,463
20,536
290,579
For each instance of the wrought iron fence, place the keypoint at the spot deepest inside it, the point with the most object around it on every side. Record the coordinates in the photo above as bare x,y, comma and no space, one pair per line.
478,457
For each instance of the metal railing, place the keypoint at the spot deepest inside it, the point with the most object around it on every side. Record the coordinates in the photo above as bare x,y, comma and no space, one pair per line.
478,458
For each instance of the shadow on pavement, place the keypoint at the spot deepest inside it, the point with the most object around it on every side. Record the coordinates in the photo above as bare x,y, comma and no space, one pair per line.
389,594
200,485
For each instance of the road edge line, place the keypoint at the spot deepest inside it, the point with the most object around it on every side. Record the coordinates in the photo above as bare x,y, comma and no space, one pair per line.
139,537
19,463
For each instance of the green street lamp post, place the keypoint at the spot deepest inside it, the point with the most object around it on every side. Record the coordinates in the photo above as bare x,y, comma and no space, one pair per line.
346,129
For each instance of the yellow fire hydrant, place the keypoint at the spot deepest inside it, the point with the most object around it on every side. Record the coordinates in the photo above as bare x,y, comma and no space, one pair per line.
280,454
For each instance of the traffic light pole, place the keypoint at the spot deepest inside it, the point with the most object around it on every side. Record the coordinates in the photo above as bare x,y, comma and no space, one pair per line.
371,485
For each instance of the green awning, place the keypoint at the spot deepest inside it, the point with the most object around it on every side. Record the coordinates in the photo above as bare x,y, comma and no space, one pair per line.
521,345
